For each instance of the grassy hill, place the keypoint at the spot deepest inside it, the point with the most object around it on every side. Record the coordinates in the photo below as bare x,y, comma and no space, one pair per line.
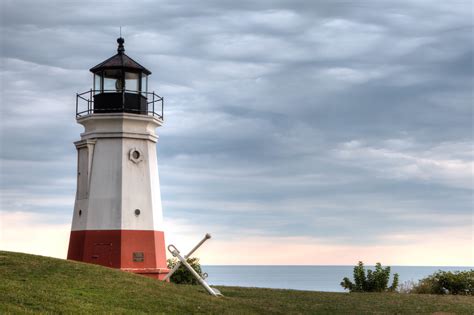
34,284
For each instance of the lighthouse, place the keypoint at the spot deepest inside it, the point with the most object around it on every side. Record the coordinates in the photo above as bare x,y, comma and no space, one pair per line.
117,220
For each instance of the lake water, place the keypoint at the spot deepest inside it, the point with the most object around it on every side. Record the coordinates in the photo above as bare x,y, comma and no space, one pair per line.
313,278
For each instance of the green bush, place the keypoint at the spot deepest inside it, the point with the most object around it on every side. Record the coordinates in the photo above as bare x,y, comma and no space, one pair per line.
446,282
374,281
183,275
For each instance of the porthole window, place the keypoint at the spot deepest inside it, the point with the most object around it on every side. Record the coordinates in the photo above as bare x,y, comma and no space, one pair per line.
135,155
137,212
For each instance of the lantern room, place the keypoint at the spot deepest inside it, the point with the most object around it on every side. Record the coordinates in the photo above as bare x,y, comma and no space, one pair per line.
120,85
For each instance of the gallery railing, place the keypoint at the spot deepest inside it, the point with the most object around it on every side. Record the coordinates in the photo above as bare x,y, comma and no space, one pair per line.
85,103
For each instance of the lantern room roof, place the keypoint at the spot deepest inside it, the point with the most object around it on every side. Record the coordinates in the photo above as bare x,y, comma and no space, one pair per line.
120,61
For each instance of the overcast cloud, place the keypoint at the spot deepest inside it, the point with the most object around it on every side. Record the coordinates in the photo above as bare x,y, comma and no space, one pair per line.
343,123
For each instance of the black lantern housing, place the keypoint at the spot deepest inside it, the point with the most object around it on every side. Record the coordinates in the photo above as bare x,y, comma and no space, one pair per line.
120,84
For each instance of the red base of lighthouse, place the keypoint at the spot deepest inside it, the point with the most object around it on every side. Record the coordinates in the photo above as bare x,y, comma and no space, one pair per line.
141,252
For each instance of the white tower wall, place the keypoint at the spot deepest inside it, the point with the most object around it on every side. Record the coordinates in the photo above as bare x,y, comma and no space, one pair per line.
113,181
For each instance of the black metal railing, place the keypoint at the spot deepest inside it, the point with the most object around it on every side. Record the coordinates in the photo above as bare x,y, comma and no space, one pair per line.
85,103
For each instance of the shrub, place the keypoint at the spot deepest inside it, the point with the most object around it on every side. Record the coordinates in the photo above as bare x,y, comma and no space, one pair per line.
374,281
446,282
183,275
406,287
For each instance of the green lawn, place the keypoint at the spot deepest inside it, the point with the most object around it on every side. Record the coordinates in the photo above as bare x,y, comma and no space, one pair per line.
36,284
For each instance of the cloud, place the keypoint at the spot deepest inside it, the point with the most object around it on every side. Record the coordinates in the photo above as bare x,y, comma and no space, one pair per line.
447,164
337,124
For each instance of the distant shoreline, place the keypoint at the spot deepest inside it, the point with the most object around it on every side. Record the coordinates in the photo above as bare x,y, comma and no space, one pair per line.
320,278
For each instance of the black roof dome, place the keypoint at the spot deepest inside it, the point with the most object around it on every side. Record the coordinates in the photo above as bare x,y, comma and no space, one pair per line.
120,61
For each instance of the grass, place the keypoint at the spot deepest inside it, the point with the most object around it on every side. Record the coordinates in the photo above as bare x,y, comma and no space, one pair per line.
37,284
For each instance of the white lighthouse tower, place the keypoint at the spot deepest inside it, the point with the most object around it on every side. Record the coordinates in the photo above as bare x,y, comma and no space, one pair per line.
117,220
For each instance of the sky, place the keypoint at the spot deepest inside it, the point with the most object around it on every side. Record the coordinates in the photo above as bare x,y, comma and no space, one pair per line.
296,132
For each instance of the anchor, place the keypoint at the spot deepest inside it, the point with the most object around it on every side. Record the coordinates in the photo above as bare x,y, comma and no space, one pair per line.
182,260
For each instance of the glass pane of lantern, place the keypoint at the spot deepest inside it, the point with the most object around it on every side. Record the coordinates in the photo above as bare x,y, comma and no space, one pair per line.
144,84
97,83
131,82
112,81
